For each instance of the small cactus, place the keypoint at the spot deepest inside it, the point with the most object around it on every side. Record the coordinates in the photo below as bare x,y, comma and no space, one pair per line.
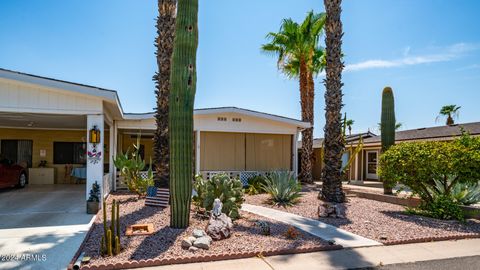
117,245
264,227
110,243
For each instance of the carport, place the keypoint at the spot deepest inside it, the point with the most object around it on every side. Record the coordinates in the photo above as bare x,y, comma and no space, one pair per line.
47,222
48,121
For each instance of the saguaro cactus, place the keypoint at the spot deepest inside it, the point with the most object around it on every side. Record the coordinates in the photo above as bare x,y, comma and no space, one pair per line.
182,95
387,128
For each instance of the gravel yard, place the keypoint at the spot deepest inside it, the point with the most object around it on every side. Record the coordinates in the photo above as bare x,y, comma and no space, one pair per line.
384,222
165,242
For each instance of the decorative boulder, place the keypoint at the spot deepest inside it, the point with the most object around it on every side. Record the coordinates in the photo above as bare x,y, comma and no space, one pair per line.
192,249
219,227
203,242
198,233
188,242
330,210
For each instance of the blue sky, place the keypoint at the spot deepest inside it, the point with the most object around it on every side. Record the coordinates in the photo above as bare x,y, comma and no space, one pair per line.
428,51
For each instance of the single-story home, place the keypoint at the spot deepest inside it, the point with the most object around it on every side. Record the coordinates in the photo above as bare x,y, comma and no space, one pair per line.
58,129
365,163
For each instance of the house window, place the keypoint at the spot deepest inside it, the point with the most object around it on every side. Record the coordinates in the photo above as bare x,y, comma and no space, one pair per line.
69,153
18,151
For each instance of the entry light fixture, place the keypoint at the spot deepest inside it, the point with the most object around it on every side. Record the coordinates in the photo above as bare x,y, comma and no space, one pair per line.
94,135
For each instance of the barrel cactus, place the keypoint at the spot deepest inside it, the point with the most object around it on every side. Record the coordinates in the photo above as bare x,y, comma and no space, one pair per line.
387,128
182,95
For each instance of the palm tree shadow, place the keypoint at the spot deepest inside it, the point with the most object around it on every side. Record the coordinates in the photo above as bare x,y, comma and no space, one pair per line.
156,244
451,225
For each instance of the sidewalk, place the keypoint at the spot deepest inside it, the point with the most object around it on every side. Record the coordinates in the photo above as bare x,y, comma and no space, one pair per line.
322,230
344,259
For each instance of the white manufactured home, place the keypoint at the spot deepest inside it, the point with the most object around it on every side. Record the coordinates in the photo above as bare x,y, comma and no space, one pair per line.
49,125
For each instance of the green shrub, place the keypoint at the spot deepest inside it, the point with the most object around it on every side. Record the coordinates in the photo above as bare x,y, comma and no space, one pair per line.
255,185
228,190
283,188
421,166
442,207
436,171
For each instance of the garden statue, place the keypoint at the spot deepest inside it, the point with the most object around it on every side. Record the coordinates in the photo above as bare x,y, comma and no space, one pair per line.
217,208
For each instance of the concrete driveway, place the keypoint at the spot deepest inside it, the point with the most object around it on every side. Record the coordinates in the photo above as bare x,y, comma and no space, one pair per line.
41,227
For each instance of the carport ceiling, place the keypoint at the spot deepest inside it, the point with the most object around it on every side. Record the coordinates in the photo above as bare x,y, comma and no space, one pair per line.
34,120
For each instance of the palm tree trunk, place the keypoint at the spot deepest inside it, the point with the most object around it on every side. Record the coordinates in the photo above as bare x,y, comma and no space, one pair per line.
306,100
164,44
334,144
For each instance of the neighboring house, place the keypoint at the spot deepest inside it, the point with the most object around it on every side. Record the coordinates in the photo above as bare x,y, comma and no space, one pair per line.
365,164
350,140
48,119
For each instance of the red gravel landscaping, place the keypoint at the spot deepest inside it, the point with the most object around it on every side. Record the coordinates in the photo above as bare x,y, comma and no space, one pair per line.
165,242
383,222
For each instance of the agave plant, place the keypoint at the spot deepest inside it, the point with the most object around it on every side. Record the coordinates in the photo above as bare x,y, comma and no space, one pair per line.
283,188
461,193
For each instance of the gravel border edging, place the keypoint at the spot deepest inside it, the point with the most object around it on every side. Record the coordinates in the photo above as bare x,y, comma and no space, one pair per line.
206,258
432,239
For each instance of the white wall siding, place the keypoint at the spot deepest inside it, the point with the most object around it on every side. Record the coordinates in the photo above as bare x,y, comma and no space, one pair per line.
20,97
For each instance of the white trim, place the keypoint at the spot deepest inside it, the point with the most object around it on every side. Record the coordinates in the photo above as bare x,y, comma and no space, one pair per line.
37,128
370,176
114,154
47,111
356,166
210,111
252,113
295,154
197,151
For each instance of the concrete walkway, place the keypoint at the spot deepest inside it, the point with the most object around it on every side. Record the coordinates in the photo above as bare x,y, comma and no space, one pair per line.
315,227
345,258
42,226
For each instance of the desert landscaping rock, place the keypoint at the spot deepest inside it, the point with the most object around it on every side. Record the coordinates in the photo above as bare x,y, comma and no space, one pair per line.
186,243
165,243
384,222
219,227
193,249
203,242
198,233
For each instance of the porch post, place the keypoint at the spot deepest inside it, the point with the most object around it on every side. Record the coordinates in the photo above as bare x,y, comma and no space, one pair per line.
114,145
197,151
95,154
111,146
355,176
295,154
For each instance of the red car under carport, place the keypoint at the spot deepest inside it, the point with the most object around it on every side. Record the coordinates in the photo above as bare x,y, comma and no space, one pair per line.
12,175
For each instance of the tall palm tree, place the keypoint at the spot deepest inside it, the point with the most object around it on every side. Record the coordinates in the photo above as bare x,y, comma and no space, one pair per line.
348,124
164,44
334,144
449,111
301,56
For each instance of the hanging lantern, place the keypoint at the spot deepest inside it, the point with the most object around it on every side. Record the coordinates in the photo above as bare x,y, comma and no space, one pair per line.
94,135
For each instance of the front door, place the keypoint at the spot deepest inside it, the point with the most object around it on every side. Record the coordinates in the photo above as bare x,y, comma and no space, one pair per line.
372,163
